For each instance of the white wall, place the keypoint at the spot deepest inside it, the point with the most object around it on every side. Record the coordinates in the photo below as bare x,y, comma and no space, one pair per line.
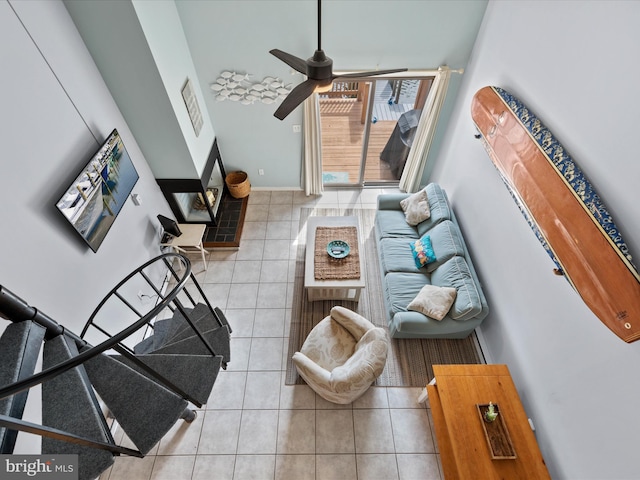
113,33
575,65
165,37
55,111
357,34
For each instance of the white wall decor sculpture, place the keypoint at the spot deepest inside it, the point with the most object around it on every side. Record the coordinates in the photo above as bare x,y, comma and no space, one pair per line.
238,87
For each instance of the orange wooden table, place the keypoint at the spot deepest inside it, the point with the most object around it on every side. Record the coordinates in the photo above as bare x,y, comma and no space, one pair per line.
463,446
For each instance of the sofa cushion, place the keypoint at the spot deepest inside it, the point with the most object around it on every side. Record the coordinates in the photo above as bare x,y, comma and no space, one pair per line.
416,208
447,242
422,251
395,255
395,252
392,223
438,207
455,273
401,288
433,301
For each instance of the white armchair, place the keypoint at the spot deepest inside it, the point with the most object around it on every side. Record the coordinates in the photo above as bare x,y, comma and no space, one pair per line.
342,356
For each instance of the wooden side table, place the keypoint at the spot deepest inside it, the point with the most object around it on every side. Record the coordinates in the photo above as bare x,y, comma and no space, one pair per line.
191,237
464,449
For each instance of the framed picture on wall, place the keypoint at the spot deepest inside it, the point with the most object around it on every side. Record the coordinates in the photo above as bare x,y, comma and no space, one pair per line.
193,108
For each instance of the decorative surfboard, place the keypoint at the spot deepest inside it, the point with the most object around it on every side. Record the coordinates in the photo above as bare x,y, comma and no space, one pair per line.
562,208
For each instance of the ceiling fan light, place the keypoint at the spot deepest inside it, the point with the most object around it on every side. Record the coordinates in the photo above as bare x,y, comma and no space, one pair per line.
323,88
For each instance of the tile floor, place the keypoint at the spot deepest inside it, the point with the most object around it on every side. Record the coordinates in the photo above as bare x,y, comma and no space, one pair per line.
256,427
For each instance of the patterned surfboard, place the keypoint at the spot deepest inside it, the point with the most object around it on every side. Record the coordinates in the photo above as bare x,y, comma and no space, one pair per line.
562,207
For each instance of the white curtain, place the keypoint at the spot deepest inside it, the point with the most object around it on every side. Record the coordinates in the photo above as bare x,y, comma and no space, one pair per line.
412,173
312,168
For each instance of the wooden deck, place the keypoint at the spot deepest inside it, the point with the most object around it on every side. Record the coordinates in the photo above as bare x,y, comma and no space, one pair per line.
342,136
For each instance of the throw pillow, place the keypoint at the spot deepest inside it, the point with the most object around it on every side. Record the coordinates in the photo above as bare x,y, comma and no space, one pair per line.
422,251
433,301
416,207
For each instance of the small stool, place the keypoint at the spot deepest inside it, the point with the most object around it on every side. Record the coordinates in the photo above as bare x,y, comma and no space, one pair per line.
191,237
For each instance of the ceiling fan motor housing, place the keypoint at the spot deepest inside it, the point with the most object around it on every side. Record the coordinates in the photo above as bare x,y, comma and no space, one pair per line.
319,67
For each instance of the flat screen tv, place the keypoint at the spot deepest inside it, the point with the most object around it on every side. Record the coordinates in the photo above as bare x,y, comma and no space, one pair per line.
94,199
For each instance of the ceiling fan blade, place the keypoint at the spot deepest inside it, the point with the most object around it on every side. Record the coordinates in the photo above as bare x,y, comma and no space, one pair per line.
370,74
294,62
298,95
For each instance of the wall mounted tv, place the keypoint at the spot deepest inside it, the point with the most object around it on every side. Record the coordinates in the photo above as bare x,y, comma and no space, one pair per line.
96,196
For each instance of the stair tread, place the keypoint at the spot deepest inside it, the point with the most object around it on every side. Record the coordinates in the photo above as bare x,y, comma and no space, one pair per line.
13,342
172,330
171,326
222,318
194,374
178,322
218,338
199,315
145,409
20,346
163,328
207,321
145,346
163,331
69,404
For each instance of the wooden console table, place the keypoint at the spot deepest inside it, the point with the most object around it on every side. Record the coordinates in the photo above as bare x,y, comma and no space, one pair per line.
464,450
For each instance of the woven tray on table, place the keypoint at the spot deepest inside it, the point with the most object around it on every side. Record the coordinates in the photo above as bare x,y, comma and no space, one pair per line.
329,268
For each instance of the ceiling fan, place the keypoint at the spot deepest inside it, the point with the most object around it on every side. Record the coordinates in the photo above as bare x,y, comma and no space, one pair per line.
319,72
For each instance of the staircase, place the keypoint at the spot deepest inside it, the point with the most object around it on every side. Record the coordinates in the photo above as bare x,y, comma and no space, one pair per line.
141,376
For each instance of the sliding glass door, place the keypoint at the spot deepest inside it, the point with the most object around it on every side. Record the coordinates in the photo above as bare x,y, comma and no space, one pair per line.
368,128
343,113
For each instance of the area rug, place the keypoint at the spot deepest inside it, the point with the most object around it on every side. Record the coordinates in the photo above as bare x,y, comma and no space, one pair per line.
410,361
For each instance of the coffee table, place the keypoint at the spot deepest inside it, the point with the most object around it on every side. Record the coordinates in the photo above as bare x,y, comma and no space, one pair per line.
348,289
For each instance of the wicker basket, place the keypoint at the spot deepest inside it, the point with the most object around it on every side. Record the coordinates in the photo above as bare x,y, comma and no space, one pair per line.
238,184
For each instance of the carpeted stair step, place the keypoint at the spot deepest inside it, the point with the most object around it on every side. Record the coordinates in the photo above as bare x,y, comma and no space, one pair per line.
222,318
179,323
165,328
170,327
218,338
203,319
162,331
69,404
146,345
20,346
145,409
194,374
177,328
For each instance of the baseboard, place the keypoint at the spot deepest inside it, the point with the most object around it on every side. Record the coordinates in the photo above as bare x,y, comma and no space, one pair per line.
482,345
269,189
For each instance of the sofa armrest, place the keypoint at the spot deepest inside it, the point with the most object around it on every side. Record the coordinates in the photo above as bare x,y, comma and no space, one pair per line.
416,325
391,201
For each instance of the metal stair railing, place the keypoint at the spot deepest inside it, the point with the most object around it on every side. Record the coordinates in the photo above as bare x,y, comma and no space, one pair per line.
169,301
15,309
57,434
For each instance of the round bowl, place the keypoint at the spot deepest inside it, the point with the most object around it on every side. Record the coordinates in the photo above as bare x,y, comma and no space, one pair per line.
338,249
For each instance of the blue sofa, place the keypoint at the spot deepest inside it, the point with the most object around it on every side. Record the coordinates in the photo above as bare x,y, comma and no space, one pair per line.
402,280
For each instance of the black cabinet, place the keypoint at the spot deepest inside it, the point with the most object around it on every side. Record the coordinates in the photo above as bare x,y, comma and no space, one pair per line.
198,200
